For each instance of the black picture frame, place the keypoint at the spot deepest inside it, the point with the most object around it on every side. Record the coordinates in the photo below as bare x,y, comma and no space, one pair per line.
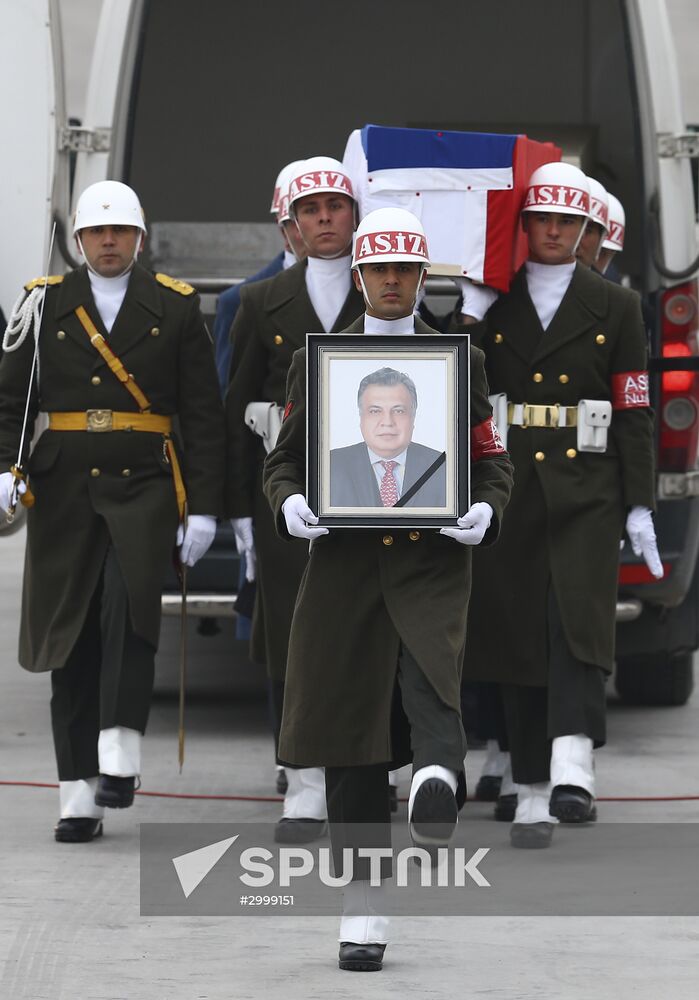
434,491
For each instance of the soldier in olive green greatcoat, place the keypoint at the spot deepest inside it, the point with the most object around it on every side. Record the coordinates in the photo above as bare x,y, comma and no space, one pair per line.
373,678
104,474
566,359
274,317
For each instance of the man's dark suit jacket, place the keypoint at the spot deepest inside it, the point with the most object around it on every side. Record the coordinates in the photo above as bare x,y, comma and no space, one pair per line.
353,482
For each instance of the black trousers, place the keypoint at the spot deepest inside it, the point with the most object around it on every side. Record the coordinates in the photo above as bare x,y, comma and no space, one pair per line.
574,701
106,681
483,711
359,812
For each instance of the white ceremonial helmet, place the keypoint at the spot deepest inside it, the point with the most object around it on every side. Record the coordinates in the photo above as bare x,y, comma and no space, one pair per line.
558,187
282,189
617,225
108,203
599,204
319,175
390,234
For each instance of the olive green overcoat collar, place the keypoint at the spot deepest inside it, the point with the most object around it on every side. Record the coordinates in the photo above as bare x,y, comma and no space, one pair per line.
141,307
583,305
420,326
289,306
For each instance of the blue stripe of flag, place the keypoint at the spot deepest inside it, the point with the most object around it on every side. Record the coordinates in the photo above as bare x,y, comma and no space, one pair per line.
396,148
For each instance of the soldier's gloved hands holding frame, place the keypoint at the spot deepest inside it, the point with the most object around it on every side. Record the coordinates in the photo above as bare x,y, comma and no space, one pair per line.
641,532
472,526
300,518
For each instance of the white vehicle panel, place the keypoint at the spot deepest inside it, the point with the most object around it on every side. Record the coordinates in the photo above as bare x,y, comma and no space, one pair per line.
31,107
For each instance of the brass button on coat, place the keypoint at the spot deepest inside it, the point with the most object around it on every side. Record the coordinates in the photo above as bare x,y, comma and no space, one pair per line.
95,472
95,380
571,453
563,379
539,456
538,377
126,472
387,539
499,338
278,339
155,331
600,339
61,335
414,536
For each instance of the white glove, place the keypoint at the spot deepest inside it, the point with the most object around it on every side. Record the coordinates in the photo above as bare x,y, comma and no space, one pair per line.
299,518
476,300
641,532
245,544
195,541
472,526
6,483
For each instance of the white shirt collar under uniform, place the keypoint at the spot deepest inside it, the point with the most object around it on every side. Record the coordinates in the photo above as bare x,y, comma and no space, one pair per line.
398,471
289,260
328,283
108,294
374,325
547,284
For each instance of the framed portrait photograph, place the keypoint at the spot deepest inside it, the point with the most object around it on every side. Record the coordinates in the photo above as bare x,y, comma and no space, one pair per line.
388,429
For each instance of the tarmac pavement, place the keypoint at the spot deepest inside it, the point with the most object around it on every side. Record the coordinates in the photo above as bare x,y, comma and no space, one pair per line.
69,914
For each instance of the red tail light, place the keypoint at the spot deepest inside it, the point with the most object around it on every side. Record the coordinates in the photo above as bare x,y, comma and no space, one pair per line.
679,396
635,573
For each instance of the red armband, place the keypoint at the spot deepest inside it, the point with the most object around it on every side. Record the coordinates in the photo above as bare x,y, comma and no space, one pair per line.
287,409
486,440
630,390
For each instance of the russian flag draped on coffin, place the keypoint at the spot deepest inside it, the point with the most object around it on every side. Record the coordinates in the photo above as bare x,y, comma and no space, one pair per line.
467,189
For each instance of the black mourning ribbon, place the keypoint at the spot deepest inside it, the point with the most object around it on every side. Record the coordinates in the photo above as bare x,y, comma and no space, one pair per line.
427,474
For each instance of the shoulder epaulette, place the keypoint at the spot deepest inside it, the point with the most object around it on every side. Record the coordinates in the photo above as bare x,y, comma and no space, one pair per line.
175,284
52,279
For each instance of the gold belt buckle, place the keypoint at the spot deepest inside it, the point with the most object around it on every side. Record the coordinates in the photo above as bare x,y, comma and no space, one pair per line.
551,415
99,420
540,415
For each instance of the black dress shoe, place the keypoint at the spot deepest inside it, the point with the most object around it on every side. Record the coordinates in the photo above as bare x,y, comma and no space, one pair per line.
488,788
571,804
434,813
298,831
77,830
282,783
113,792
506,807
393,798
361,957
531,835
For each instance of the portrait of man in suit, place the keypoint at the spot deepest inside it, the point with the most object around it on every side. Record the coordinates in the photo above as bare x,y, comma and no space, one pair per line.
387,463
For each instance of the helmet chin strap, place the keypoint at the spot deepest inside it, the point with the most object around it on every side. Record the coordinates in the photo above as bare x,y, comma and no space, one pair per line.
288,244
580,236
126,269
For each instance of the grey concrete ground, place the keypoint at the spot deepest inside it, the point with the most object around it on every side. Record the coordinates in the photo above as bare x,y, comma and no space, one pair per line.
69,914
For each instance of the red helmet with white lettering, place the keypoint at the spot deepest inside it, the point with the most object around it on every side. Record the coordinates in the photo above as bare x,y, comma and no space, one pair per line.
617,225
281,190
599,204
319,175
558,187
390,234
